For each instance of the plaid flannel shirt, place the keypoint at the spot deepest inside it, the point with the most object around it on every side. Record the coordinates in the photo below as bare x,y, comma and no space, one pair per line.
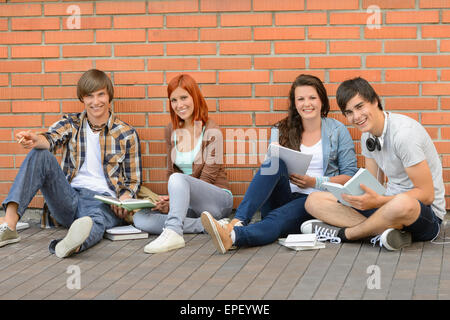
119,145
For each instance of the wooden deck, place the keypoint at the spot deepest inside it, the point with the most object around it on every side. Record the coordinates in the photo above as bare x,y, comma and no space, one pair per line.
121,270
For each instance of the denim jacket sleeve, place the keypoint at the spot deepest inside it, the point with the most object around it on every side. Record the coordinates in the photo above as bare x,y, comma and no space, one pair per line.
341,149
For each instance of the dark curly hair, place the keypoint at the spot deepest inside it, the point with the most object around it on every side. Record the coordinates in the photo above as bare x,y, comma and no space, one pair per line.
291,127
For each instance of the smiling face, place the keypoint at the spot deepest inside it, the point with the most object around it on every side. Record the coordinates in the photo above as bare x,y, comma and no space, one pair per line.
307,102
182,104
97,106
364,115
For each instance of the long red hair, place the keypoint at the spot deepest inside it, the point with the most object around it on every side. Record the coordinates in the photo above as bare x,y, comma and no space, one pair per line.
188,83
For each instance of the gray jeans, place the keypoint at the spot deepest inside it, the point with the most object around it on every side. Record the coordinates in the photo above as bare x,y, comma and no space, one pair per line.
188,198
41,171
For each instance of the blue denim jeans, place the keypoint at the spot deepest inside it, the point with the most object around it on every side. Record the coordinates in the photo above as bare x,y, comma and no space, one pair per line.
41,171
282,212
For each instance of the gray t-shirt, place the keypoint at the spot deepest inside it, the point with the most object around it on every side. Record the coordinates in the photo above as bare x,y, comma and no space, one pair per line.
405,144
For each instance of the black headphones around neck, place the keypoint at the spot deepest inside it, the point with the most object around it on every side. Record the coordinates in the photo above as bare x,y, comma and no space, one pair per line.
372,144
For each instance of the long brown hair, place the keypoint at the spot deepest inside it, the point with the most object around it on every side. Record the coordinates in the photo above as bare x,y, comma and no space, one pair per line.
188,83
291,127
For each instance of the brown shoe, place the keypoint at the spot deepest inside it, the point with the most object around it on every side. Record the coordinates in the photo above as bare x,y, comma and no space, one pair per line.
220,235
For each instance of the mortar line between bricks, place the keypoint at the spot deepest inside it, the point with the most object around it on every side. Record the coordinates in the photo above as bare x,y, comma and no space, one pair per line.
350,270
144,275
174,270
262,270
301,276
324,276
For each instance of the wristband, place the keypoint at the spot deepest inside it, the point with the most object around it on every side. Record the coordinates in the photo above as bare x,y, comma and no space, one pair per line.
320,181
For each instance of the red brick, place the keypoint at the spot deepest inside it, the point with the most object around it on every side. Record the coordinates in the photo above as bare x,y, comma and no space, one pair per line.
303,18
396,89
173,35
67,65
129,92
18,10
172,64
231,90
335,62
35,52
230,119
4,80
156,91
158,120
135,119
410,103
70,79
199,76
391,33
244,105
438,89
290,75
243,76
229,5
20,66
281,33
69,36
6,162
245,48
90,23
333,33
412,17
87,51
410,46
445,75
274,90
21,120
120,64
5,107
332,4
438,4
352,18
60,9
279,63
445,45
128,7
3,52
127,22
342,75
72,106
445,103
60,93
135,35
18,37
301,47
237,20
20,93
195,48
391,61
191,21
123,50
225,63
5,134
446,16
268,119
441,31
389,4
355,46
235,34
35,23
36,79
445,133
138,78
277,5
441,61
138,106
411,75
3,24
35,106
168,7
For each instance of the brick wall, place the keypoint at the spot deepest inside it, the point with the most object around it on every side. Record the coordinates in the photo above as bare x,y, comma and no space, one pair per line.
244,54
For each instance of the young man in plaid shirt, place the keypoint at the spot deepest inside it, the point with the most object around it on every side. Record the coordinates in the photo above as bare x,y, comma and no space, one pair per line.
100,155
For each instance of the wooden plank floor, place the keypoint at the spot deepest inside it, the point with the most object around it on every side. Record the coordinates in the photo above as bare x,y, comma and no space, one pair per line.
121,270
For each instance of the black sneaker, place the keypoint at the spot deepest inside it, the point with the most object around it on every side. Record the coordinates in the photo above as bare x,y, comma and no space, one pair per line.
393,239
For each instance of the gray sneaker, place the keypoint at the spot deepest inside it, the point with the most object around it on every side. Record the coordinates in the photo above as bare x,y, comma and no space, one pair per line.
393,239
8,236
78,232
323,231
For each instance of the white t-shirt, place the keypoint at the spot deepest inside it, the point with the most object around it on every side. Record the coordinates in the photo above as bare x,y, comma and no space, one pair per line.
91,176
405,144
315,168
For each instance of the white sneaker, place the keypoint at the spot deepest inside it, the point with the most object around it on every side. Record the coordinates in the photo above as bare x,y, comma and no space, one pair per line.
393,239
78,233
167,240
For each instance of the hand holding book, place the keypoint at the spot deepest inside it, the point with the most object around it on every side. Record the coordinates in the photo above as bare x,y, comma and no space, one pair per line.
366,201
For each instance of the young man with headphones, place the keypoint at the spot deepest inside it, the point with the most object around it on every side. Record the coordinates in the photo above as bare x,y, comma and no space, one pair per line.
395,147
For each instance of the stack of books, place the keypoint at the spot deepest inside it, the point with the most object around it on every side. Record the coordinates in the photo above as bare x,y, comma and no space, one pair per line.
300,242
125,233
